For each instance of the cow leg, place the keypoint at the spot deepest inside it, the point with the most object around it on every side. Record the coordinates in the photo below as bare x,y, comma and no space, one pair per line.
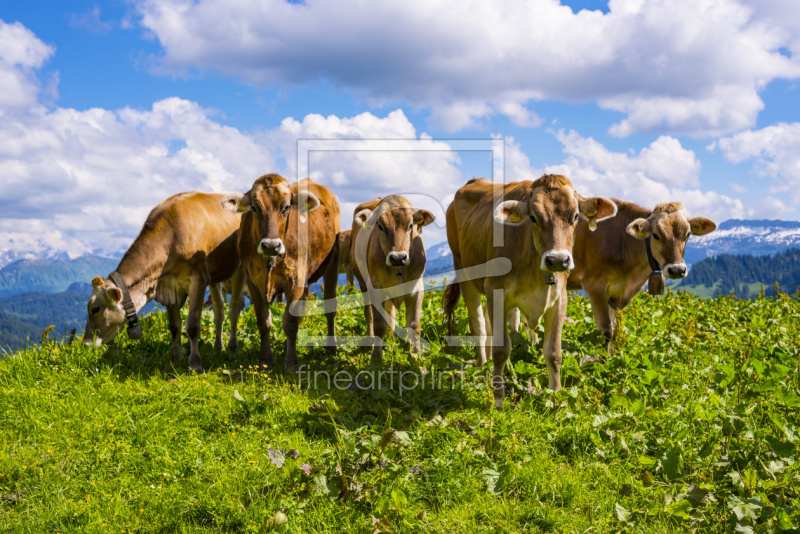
264,323
235,307
348,271
197,290
218,306
380,327
292,315
553,321
500,353
477,324
174,320
413,305
602,313
330,283
513,319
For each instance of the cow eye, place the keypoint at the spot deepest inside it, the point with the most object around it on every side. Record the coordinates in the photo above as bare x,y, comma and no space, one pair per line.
410,226
533,219
575,219
95,310
687,237
381,228
285,209
255,209
655,236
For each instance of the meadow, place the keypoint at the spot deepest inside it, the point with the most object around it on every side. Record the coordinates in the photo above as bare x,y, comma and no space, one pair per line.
691,425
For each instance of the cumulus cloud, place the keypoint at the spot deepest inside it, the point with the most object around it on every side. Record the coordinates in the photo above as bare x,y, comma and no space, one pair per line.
83,181
673,66
661,172
775,151
21,53
367,161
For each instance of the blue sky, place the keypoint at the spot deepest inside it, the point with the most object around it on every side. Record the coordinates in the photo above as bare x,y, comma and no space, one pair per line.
111,106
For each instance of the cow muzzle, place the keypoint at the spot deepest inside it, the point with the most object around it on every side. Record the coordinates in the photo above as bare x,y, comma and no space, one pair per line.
676,270
397,259
557,261
271,247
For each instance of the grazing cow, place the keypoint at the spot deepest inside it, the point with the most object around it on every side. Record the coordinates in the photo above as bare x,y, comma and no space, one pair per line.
344,256
528,270
612,265
166,262
388,259
278,254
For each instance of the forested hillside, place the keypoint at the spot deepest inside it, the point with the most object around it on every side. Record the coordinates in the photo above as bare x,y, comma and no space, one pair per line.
743,274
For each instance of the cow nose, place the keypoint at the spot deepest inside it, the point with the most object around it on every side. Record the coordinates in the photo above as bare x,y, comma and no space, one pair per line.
397,259
271,247
676,271
557,262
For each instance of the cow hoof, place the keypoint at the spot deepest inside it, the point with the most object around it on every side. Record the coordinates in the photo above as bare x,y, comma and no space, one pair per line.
330,351
196,369
218,345
290,369
233,347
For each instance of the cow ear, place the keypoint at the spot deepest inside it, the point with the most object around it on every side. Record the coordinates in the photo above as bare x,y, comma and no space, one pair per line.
236,202
702,225
306,201
511,212
423,218
362,217
596,209
640,229
114,294
98,281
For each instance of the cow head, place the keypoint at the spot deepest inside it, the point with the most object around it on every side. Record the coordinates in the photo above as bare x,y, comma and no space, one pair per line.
553,208
397,223
669,230
270,200
106,316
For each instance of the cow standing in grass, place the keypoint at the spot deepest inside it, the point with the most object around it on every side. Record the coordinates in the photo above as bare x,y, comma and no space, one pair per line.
527,269
388,259
288,238
166,263
612,265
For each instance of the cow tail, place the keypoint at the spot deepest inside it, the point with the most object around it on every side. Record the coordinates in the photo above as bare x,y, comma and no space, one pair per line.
451,295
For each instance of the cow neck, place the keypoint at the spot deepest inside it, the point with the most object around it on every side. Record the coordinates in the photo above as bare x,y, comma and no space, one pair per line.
140,268
651,260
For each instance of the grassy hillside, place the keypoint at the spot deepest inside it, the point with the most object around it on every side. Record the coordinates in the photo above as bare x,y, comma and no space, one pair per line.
691,426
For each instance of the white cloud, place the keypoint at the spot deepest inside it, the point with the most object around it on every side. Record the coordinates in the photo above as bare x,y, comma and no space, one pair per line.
675,66
81,181
427,174
21,52
776,154
661,172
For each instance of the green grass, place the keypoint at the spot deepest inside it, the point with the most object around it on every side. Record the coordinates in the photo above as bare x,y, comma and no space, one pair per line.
692,425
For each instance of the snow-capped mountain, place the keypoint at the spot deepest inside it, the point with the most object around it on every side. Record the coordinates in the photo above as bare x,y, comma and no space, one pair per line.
439,258
735,236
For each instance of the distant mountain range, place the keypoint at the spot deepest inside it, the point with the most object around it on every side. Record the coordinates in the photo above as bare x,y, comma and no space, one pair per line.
52,274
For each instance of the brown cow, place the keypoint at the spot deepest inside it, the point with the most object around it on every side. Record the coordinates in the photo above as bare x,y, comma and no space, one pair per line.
612,263
166,262
528,270
388,259
344,256
279,254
